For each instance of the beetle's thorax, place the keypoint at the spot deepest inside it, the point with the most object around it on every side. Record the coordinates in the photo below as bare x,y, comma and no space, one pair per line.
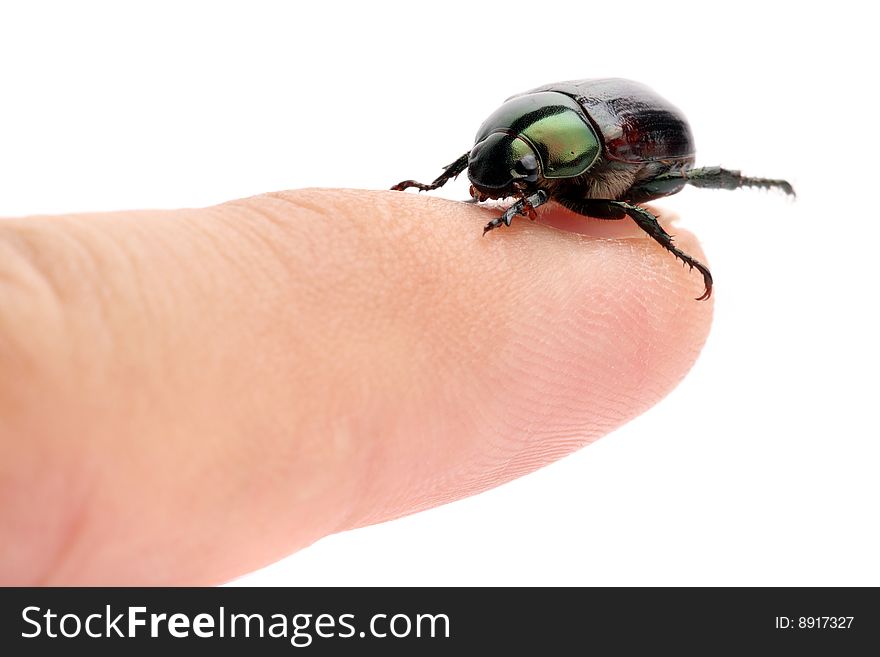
528,139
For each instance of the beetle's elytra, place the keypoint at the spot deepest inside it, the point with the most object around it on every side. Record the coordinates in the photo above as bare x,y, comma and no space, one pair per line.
598,147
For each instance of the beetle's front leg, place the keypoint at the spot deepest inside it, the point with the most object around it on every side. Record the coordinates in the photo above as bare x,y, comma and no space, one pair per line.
506,218
525,206
450,171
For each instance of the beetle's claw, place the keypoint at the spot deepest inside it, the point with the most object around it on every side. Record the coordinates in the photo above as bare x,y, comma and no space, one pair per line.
406,184
707,281
495,223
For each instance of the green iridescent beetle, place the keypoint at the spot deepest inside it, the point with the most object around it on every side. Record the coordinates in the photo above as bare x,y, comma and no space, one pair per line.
598,147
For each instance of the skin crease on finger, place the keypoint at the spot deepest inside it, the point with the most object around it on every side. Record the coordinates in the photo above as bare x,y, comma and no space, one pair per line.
189,395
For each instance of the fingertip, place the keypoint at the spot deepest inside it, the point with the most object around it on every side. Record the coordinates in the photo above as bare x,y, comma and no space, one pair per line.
540,340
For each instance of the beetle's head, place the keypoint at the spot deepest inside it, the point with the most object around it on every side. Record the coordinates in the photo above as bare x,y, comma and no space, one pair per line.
501,165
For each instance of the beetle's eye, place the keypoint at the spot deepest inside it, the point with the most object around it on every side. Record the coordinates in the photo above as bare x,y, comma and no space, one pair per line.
527,167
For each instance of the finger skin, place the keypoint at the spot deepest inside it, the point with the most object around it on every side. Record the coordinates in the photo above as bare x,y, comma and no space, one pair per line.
189,395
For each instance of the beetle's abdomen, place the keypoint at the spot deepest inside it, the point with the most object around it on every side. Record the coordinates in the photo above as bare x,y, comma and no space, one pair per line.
644,133
636,124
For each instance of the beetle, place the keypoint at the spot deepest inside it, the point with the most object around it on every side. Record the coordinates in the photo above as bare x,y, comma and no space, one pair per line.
599,147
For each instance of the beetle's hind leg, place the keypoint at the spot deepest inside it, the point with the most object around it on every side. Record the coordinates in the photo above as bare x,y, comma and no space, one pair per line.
706,177
607,209
450,171
718,178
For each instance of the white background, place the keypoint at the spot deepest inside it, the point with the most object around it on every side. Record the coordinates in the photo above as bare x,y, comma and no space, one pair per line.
761,468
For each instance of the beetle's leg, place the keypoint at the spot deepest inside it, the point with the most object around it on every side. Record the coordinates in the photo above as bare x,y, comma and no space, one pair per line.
504,219
450,171
528,210
708,177
718,178
648,223
608,209
524,206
